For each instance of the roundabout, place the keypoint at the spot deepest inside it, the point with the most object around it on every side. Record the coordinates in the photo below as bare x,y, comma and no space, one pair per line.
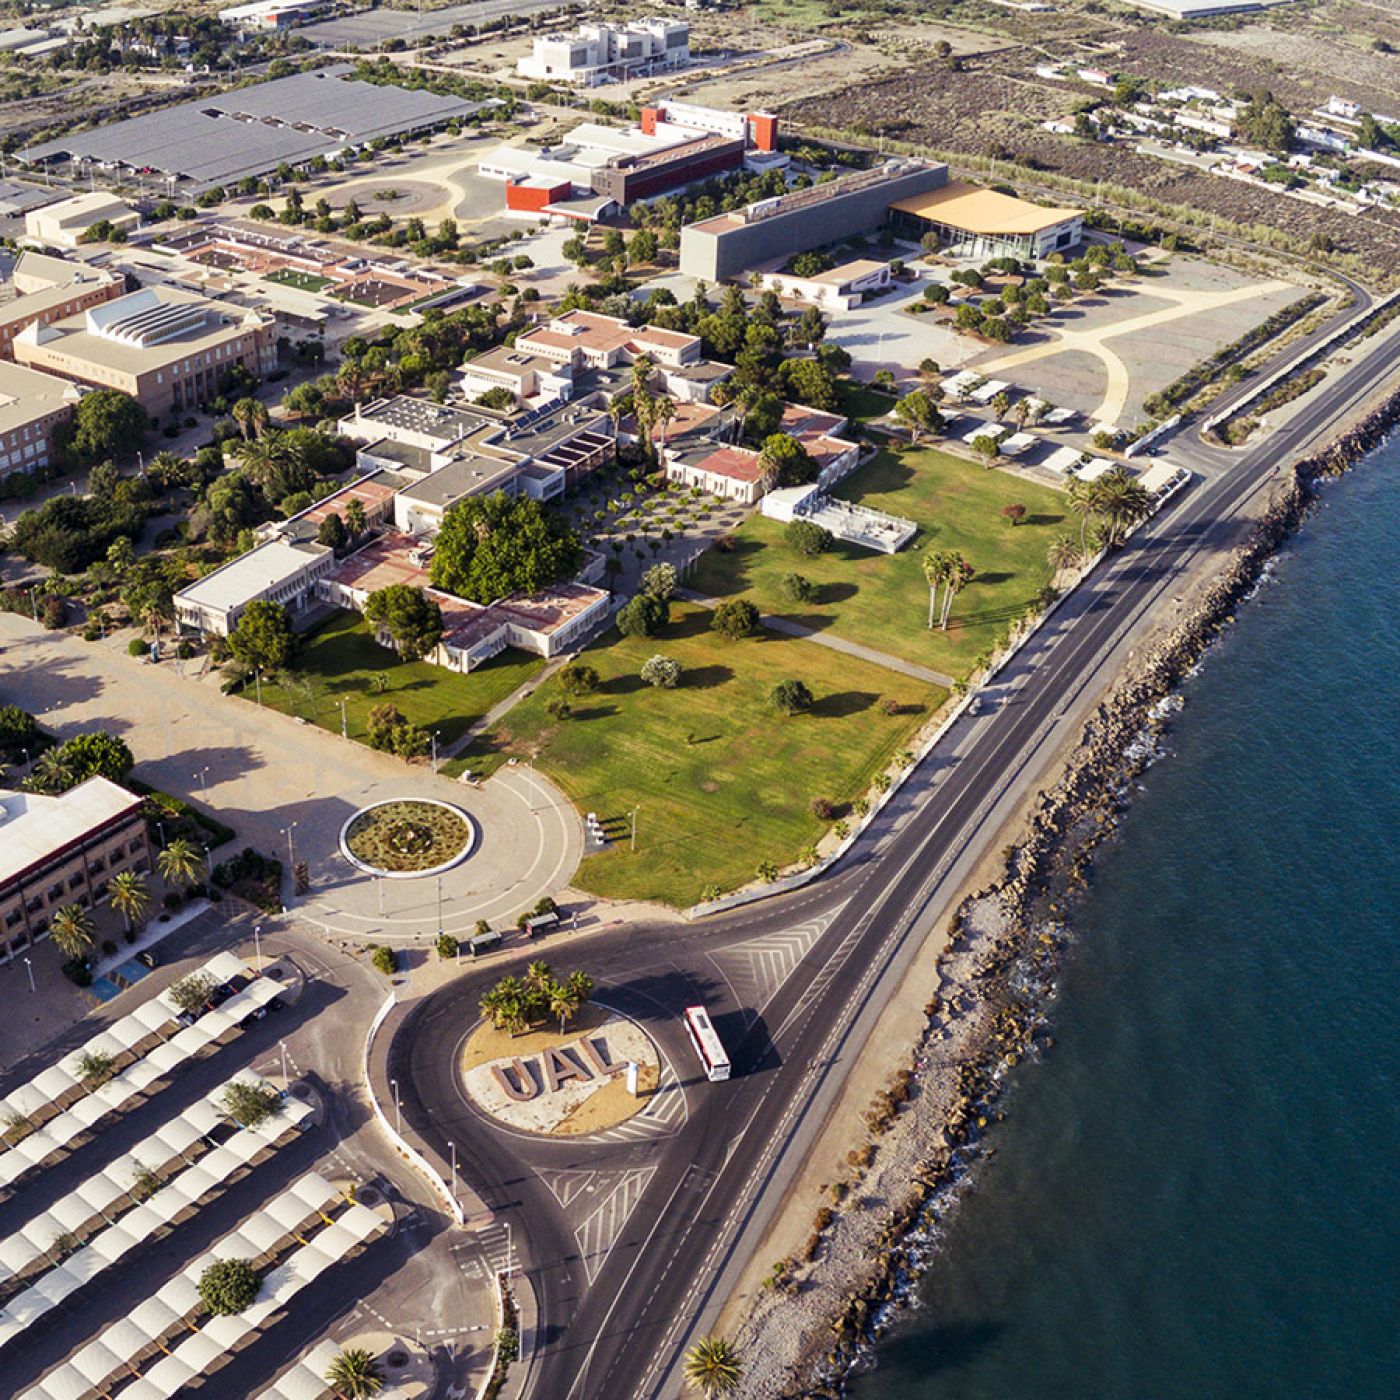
406,839
565,1083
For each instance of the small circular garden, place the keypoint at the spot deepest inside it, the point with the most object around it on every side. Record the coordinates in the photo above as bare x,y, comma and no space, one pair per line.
409,837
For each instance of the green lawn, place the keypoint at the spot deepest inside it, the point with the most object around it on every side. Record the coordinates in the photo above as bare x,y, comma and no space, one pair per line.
862,404
340,660
882,600
290,277
723,781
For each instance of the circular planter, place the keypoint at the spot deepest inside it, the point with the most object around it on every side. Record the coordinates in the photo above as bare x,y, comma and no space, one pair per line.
407,838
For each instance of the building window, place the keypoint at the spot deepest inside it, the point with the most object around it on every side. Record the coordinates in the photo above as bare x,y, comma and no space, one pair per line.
13,917
137,843
97,863
55,892
75,880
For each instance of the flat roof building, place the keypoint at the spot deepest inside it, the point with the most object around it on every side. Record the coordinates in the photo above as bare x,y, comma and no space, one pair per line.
62,225
594,53
168,349
51,289
975,222
33,407
254,129
63,850
774,229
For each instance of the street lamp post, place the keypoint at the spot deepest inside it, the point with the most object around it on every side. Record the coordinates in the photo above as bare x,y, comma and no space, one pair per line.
291,850
453,1146
286,1078
203,776
435,739
29,968
257,944
398,1108
635,810
344,724
257,681
439,892
208,864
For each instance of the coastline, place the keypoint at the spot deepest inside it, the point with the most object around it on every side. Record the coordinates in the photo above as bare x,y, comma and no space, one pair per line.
813,1320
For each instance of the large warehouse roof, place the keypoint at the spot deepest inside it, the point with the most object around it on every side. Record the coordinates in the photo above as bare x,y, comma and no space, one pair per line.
976,210
254,129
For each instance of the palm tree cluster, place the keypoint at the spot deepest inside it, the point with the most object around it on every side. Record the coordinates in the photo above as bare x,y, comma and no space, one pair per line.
648,408
515,1004
945,569
1108,507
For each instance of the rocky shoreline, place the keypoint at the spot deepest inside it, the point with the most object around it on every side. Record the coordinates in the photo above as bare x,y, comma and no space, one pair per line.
822,1309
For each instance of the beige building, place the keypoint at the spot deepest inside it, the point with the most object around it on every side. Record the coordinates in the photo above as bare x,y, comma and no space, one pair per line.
63,850
48,290
62,225
167,348
32,407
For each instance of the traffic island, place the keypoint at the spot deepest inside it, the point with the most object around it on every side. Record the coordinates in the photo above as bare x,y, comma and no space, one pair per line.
568,1082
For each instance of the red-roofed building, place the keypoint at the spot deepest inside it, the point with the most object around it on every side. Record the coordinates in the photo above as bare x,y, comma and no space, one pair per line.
730,472
605,341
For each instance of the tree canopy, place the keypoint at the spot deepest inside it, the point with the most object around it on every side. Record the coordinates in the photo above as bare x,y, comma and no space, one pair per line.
643,616
492,546
106,423
412,619
786,462
264,636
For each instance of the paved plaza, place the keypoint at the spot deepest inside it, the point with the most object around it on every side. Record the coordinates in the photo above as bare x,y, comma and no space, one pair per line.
287,788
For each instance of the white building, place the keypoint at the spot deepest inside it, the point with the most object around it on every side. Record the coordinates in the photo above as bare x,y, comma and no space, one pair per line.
841,289
595,53
62,225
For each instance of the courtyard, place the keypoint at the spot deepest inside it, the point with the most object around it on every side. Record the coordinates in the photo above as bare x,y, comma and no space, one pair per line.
881,601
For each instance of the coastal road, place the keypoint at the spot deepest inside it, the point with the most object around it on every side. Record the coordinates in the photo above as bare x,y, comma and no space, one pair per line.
686,1207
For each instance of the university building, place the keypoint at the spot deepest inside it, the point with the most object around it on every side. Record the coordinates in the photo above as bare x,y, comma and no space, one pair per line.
63,850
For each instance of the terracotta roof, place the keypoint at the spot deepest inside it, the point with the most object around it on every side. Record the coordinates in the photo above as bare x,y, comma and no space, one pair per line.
732,462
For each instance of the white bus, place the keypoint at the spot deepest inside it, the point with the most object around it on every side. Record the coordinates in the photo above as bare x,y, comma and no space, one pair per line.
707,1044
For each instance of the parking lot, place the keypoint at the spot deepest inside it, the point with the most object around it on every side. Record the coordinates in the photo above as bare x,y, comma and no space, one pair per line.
119,1187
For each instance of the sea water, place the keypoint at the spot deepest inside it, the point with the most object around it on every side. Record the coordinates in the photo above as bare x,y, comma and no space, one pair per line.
1196,1192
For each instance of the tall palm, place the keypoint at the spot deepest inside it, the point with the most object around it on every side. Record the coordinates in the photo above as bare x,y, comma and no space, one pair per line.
355,516
1120,501
72,929
579,986
714,1367
128,896
936,575
252,417
960,574
354,1374
1081,503
562,1005
1063,553
662,411
179,862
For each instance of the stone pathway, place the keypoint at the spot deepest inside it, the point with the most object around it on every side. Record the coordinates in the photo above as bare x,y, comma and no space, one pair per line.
796,629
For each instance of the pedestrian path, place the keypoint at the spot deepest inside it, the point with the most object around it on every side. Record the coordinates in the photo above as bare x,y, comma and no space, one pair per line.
789,628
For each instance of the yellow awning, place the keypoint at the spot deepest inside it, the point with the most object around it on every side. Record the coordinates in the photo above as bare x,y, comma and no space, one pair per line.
977,210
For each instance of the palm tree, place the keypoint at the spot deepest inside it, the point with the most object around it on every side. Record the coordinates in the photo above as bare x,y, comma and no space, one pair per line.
579,985
662,411
72,929
1120,501
354,1374
252,417
960,574
127,895
355,516
936,574
1063,553
179,862
51,772
562,1005
538,977
714,1367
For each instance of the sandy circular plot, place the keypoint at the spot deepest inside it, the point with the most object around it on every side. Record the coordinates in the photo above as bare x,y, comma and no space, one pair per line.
413,196
561,1084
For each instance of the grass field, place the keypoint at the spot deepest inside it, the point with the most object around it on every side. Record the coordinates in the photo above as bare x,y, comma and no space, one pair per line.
304,281
723,781
340,659
882,600
863,404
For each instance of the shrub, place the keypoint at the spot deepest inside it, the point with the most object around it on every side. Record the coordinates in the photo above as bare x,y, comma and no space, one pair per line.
792,697
662,672
446,947
53,612
735,618
228,1286
578,678
384,960
136,647
797,588
807,538
823,809
643,616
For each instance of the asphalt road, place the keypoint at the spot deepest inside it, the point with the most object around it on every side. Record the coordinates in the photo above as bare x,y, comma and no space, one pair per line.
615,1321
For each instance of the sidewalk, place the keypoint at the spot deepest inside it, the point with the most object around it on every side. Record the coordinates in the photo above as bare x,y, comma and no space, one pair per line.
862,653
